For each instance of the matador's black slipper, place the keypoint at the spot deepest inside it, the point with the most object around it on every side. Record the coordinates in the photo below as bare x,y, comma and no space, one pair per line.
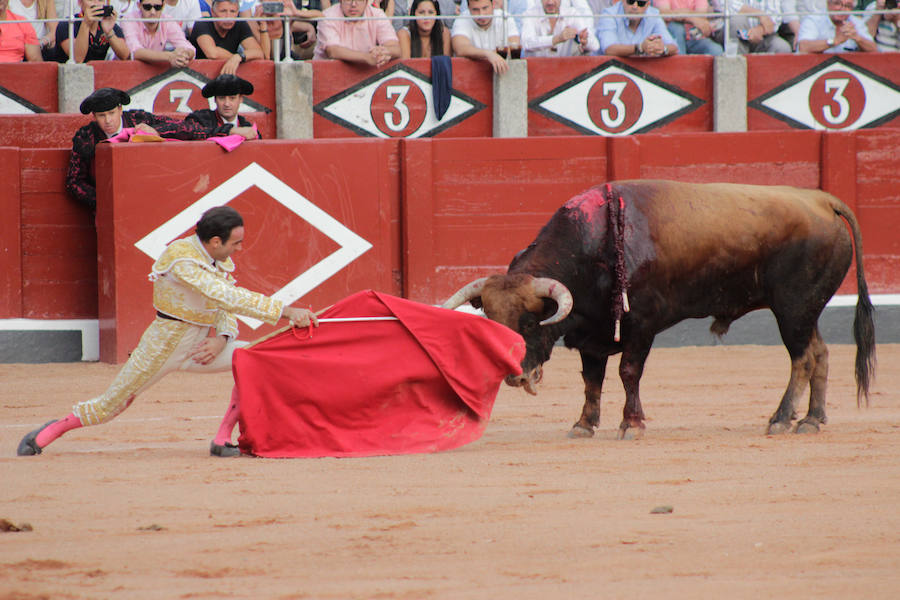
29,447
225,450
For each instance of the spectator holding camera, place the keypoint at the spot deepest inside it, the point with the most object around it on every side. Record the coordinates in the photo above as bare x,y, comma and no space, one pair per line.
303,32
157,41
18,41
837,32
885,28
223,40
345,36
96,35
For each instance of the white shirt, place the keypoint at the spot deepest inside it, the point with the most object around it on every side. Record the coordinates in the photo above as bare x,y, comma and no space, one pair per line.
495,36
820,27
537,35
772,8
186,11
16,6
804,7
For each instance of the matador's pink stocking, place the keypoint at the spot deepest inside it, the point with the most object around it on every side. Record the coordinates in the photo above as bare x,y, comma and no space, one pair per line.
55,430
229,420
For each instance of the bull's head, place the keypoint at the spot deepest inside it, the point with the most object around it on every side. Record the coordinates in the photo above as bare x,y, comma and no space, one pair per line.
518,302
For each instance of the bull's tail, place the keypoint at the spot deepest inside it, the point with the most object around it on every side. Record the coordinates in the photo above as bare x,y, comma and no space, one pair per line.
863,324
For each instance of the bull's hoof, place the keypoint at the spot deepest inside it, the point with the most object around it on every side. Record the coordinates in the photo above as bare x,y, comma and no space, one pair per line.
579,432
777,428
807,426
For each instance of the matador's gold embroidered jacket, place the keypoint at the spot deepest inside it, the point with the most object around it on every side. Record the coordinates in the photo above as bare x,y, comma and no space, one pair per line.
189,285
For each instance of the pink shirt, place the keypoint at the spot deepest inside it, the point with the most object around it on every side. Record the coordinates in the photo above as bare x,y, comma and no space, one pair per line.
701,6
361,36
14,37
137,36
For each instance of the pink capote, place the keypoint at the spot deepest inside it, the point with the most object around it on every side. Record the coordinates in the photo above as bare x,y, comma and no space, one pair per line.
424,383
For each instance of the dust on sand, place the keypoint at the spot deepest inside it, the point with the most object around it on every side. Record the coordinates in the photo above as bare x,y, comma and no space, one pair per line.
138,509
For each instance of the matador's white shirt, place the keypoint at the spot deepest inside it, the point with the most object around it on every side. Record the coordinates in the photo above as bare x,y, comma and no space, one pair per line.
190,285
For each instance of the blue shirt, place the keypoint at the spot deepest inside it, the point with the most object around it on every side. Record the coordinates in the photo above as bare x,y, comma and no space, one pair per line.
617,31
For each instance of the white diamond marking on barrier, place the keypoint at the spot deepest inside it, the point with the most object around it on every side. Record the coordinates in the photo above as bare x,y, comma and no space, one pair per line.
880,100
352,246
355,108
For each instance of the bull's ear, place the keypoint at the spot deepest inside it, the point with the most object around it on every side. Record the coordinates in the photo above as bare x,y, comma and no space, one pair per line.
476,302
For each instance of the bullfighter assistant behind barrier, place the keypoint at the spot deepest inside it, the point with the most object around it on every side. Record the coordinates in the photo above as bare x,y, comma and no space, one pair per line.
105,105
193,290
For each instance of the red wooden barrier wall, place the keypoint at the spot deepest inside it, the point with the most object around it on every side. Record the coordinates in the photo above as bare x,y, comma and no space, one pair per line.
437,212
356,182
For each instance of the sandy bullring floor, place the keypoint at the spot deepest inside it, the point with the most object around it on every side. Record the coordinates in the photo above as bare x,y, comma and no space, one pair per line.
137,509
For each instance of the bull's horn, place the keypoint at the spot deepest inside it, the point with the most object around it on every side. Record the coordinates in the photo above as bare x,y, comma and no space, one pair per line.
466,293
551,288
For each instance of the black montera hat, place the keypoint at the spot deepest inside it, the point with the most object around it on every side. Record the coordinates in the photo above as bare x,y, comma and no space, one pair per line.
104,99
227,85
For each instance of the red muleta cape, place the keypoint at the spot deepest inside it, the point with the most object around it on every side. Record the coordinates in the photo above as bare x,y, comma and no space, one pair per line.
423,383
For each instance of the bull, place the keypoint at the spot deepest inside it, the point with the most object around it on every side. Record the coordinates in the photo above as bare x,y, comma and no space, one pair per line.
620,263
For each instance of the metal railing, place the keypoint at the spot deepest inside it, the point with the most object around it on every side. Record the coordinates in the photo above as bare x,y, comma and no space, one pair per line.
730,42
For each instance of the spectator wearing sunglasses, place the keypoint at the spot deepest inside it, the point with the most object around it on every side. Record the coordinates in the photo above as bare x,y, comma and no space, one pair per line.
838,32
109,118
157,41
223,40
637,30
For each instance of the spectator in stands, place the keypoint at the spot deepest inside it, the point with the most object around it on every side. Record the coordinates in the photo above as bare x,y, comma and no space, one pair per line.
303,32
105,105
224,40
229,92
756,27
388,6
692,34
97,35
18,41
630,35
792,11
157,41
839,32
346,37
39,9
426,36
485,35
186,11
885,28
552,30
517,8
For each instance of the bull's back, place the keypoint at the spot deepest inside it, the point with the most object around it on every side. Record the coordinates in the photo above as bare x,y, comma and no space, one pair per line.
729,226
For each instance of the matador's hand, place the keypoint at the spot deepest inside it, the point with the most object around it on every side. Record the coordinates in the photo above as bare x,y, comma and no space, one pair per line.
300,317
207,350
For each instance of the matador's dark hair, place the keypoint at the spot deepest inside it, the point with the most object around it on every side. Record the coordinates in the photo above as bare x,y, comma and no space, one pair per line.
218,222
